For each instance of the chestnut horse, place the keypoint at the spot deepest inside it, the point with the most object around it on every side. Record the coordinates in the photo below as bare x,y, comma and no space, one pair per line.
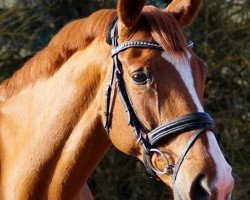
51,110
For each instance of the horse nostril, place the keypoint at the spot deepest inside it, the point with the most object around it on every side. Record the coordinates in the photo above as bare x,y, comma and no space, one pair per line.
198,192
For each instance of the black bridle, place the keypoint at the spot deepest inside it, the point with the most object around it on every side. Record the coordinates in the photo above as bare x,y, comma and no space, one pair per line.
197,122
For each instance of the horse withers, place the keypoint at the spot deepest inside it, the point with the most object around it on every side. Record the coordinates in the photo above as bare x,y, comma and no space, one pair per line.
56,111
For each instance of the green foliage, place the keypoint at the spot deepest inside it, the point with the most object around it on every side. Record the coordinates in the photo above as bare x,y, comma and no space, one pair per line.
26,27
221,37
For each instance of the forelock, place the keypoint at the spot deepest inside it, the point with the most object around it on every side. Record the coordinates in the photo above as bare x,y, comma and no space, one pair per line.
165,30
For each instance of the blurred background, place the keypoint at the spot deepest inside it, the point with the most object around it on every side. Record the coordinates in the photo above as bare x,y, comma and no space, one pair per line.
221,38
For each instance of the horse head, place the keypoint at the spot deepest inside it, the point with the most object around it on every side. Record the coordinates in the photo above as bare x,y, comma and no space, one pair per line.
161,92
143,84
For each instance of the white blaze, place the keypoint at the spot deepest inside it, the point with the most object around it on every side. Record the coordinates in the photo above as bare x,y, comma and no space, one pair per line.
184,69
223,180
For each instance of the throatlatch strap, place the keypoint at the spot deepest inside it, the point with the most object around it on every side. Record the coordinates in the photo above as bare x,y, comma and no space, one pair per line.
113,40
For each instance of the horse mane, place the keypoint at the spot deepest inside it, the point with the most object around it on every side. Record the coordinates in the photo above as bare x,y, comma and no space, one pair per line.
78,34
73,37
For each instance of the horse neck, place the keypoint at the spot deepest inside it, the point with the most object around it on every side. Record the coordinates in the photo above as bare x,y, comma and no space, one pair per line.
52,133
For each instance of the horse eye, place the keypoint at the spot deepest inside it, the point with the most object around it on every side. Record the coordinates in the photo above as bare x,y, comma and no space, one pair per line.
140,78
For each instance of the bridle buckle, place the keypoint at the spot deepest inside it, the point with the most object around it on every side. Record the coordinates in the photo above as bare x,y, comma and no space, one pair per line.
169,170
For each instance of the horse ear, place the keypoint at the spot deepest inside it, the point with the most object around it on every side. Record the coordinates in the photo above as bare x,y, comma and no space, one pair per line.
129,11
184,10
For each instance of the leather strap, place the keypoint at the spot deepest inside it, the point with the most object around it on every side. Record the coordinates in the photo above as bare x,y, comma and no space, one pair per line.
190,122
184,152
185,123
135,44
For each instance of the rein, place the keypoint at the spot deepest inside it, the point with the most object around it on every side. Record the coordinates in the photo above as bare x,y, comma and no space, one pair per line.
197,122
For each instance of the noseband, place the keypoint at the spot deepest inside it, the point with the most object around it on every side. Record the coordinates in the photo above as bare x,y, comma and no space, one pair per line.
197,122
